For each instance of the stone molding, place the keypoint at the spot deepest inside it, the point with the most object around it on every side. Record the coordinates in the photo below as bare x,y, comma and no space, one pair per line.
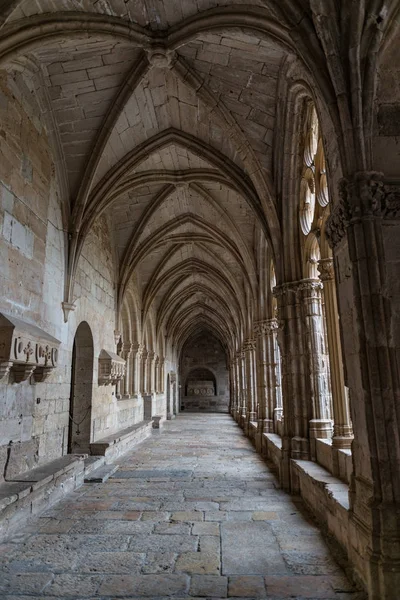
367,195
111,368
26,350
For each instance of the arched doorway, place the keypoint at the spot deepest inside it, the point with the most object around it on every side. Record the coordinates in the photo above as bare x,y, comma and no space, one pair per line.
81,391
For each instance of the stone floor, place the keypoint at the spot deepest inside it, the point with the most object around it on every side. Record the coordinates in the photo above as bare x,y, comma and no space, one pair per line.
191,512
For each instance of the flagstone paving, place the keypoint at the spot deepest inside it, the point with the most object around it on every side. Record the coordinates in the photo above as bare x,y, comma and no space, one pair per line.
193,512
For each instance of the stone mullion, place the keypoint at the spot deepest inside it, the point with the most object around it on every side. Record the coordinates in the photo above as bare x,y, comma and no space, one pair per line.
321,423
342,428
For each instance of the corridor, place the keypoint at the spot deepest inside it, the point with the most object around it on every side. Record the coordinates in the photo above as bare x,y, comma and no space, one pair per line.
192,512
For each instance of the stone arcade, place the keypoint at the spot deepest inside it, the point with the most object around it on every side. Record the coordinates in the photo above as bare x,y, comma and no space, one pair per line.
199,207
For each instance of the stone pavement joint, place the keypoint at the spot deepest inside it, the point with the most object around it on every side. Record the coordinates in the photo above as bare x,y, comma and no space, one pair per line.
193,514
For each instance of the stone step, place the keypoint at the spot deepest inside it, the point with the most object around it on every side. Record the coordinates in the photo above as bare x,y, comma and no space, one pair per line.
92,463
101,474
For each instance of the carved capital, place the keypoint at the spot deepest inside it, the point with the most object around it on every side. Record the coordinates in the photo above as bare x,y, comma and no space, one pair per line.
366,195
326,269
310,286
249,345
265,327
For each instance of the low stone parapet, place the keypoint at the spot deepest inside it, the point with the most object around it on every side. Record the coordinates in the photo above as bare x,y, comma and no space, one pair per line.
34,491
112,446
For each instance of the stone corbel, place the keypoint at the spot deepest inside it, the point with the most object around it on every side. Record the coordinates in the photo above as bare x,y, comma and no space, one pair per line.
26,350
67,308
111,368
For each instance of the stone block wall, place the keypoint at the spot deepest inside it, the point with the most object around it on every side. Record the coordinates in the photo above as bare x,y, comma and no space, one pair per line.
204,358
34,417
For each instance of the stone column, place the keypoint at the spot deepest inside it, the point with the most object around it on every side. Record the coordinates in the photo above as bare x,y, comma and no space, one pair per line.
135,360
249,348
232,387
162,374
295,383
263,391
364,231
318,361
126,354
143,379
277,377
157,374
118,387
342,427
150,371
242,389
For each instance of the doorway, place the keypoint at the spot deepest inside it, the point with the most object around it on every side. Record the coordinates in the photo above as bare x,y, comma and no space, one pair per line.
80,405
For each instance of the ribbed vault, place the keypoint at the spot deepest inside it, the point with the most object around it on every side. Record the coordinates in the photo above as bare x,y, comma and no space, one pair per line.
162,118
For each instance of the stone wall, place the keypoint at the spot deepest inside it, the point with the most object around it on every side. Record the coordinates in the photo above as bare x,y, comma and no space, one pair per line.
204,353
34,417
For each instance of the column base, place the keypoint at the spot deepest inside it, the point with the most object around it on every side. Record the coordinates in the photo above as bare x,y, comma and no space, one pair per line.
265,425
321,428
342,442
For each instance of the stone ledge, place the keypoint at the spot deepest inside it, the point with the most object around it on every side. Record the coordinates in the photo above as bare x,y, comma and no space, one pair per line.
272,443
112,446
326,496
33,492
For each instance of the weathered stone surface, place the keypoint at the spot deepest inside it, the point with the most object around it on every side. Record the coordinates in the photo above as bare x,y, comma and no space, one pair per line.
198,562
251,586
84,546
145,585
259,550
209,586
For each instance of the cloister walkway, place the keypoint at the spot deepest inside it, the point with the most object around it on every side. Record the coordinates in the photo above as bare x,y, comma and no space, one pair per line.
191,512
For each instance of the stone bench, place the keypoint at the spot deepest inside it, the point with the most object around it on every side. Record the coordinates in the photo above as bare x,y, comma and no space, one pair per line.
112,446
29,494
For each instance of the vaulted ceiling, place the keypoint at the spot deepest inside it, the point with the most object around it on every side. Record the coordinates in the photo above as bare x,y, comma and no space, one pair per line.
163,115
